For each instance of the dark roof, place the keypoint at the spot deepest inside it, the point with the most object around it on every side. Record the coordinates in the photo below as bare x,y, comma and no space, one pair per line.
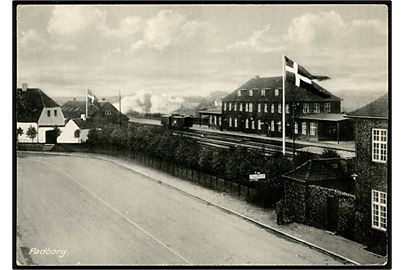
30,104
314,93
75,108
332,117
376,109
216,110
83,124
317,170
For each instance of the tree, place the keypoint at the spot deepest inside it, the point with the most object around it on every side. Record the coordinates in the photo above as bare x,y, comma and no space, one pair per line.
57,131
77,134
20,132
330,153
32,133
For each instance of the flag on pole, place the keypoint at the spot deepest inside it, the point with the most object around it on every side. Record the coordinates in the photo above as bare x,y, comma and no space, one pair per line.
91,98
301,75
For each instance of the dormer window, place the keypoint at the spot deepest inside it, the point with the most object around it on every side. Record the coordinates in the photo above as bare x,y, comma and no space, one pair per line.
224,106
239,93
107,112
263,92
276,92
250,93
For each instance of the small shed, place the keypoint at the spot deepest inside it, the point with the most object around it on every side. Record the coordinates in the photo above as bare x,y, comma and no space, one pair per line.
211,116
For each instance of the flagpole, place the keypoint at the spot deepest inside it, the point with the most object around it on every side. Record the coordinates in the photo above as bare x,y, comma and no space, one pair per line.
283,112
87,100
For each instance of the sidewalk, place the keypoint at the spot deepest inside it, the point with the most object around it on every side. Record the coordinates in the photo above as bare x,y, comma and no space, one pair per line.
321,240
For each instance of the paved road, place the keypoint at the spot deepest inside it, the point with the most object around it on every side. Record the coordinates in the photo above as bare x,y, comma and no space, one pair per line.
101,213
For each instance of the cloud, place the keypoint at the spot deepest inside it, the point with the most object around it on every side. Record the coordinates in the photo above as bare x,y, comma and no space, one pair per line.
29,38
71,20
131,26
262,40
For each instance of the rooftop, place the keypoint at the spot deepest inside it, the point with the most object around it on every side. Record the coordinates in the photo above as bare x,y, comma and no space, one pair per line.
216,110
30,104
376,109
333,117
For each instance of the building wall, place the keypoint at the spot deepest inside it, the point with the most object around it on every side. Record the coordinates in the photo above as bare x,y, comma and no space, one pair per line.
51,120
24,138
68,131
214,121
371,175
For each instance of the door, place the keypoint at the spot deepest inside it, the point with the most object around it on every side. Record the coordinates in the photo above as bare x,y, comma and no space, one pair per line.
50,137
332,210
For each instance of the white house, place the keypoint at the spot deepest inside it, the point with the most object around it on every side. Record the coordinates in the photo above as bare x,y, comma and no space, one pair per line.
36,109
75,131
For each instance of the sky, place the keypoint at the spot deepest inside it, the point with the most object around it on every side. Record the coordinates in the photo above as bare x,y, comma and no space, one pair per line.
184,50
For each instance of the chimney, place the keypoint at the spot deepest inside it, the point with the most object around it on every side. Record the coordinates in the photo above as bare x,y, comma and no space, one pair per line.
24,87
83,117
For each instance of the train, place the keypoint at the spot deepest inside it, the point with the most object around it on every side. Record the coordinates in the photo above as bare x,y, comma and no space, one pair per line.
176,121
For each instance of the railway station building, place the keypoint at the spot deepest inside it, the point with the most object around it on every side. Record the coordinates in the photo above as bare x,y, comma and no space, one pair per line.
312,113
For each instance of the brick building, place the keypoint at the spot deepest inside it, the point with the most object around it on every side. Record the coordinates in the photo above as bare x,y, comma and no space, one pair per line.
312,113
371,166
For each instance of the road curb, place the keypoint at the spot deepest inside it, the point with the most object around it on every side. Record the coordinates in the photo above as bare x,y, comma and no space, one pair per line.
225,209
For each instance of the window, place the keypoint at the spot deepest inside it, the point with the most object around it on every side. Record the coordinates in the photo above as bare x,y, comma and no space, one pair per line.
107,112
259,107
224,106
276,92
241,107
279,126
247,107
250,93
236,122
220,120
317,108
259,124
312,129
327,107
287,108
247,124
272,125
230,121
296,127
265,107
305,109
230,106
211,119
49,113
250,107
253,124
304,128
215,120
239,93
235,107
55,113
272,108
279,108
263,92
379,210
379,145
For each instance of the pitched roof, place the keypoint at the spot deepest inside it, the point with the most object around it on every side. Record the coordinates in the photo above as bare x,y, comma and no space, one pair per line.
216,110
333,117
314,93
317,170
30,104
75,108
83,124
376,109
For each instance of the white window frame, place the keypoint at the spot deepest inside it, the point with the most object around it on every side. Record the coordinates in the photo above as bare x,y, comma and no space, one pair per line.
235,107
379,210
287,108
250,93
215,120
253,124
236,122
224,106
241,107
265,107
312,129
210,119
317,108
239,93
272,108
259,124
327,107
305,108
246,107
219,120
276,92
259,107
279,108
304,128
296,131
379,147
263,92
272,125
230,121
230,106
107,112
247,123
250,107
279,126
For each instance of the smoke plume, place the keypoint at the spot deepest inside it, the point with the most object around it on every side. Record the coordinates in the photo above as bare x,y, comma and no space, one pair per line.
147,102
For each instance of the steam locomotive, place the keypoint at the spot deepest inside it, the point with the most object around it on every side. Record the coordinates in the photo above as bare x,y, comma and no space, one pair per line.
176,121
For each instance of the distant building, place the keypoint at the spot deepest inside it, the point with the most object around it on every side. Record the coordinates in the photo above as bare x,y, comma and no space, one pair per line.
99,114
36,109
75,131
256,107
214,116
372,158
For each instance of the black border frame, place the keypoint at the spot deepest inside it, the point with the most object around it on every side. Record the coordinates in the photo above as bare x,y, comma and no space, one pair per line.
17,3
